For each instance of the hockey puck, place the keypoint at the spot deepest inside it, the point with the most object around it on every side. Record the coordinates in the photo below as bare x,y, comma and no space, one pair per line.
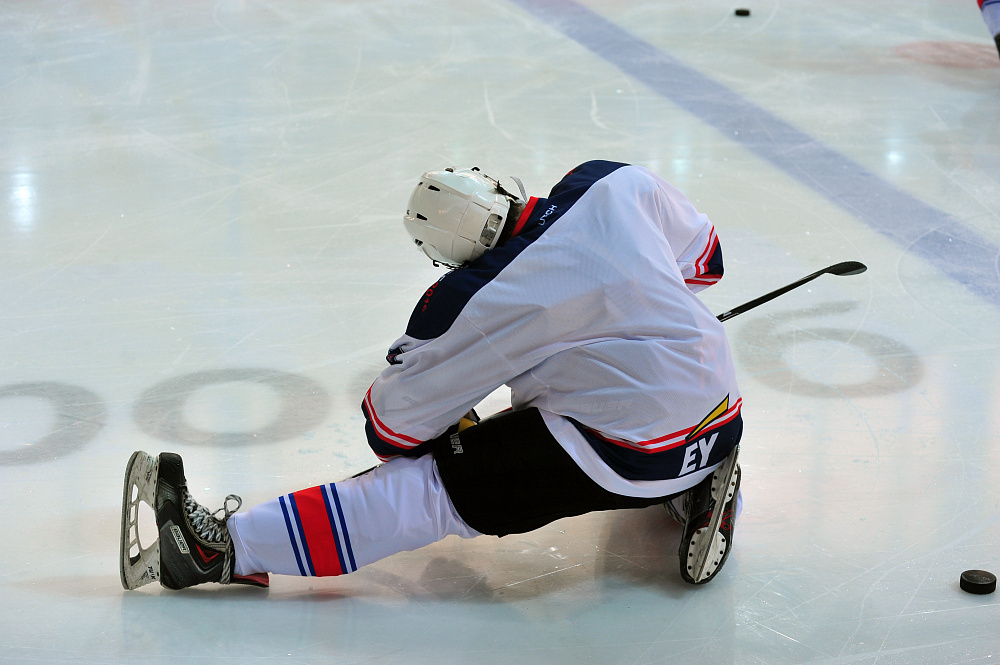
978,581
743,12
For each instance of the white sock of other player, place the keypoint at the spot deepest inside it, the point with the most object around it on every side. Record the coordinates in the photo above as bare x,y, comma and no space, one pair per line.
335,529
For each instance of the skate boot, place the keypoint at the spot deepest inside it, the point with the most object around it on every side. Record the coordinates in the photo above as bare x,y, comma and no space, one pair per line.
193,546
675,508
710,511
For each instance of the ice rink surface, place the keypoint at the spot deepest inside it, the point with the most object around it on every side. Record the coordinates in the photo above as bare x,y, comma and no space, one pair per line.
201,250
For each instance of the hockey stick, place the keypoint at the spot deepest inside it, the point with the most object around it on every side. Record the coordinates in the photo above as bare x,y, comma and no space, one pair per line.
845,268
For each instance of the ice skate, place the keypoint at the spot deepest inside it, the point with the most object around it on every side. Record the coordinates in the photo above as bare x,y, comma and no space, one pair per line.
710,509
675,508
193,546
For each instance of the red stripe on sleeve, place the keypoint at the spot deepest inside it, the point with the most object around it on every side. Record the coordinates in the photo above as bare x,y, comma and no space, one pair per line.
384,431
702,263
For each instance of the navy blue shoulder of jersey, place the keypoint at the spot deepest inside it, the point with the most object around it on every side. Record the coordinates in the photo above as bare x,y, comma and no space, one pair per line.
582,177
444,301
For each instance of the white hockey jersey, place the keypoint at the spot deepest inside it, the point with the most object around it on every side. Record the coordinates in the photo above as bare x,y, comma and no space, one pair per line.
589,314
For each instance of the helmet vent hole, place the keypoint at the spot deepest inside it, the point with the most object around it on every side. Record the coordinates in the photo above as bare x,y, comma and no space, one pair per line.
421,217
433,188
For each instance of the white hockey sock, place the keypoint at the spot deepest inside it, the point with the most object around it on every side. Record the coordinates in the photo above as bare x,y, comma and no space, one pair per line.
335,529
991,14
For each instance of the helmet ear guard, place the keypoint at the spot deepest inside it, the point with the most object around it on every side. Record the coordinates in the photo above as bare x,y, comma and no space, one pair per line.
454,216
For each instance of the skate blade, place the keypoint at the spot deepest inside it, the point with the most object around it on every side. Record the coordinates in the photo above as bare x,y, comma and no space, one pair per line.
716,552
707,544
139,565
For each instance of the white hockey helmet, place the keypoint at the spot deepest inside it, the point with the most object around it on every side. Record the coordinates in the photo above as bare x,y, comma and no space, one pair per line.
455,215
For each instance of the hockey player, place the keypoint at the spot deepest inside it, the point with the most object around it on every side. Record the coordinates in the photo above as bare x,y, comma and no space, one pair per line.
622,386
991,14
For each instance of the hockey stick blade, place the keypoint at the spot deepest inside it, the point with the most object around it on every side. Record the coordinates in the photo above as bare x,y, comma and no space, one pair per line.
840,269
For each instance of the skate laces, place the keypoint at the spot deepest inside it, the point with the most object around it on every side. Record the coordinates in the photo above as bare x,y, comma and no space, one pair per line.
204,521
